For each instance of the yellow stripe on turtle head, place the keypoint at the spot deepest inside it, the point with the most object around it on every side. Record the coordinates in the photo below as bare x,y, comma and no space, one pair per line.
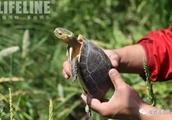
63,34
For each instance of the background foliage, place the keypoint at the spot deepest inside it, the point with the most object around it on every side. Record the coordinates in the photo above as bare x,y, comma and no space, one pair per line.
31,58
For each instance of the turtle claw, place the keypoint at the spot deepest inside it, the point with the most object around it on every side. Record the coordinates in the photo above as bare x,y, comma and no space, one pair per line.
88,110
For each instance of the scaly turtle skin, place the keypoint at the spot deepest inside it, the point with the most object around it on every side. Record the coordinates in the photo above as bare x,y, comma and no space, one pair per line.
88,61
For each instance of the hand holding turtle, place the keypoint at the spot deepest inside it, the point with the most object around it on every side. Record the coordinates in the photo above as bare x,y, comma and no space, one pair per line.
129,59
124,103
113,56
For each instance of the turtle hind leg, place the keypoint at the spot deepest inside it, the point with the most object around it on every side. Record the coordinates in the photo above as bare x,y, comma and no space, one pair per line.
74,68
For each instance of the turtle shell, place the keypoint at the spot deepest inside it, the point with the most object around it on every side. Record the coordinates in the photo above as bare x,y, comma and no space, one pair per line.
94,66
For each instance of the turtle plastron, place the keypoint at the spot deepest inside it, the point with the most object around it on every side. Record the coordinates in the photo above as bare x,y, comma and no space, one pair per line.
74,67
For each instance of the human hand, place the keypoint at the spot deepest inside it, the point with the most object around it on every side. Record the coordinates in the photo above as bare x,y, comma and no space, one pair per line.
124,103
112,55
66,70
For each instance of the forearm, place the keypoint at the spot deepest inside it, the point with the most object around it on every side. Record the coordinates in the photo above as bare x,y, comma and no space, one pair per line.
148,112
157,117
131,59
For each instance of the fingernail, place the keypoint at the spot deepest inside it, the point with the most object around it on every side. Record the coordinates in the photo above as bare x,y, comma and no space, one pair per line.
66,76
115,64
113,72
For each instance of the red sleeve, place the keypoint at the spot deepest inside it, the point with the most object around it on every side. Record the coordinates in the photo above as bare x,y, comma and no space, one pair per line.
158,48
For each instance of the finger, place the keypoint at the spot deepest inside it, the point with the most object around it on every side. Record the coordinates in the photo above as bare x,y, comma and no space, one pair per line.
113,56
95,104
67,68
116,78
114,63
115,60
66,76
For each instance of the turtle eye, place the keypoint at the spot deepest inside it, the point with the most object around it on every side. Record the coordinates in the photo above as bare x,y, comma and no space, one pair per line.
60,33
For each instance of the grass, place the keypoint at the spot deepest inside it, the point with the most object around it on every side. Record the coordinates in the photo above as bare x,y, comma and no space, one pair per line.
31,57
149,85
11,107
50,110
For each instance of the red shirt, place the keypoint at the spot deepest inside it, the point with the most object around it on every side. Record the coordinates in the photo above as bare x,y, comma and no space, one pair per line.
158,47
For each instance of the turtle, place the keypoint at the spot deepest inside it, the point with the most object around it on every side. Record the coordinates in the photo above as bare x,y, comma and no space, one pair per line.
88,62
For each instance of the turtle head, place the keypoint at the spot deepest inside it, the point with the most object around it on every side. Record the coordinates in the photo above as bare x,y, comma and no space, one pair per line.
74,42
64,34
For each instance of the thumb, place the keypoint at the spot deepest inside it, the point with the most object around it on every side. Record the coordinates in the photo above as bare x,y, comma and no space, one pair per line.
116,78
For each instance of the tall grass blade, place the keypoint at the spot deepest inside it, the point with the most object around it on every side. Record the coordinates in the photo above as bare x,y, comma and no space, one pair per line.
60,91
26,43
8,51
50,110
10,79
11,105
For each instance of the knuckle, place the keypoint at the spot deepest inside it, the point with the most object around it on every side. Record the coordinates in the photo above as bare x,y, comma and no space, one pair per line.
124,87
116,56
107,113
104,113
